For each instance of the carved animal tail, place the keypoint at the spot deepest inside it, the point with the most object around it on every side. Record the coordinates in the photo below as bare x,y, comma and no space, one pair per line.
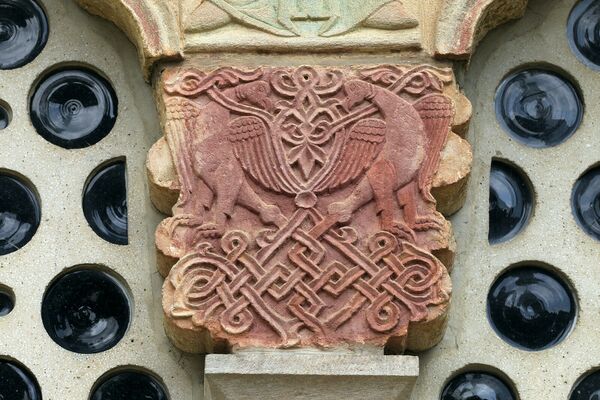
181,117
437,113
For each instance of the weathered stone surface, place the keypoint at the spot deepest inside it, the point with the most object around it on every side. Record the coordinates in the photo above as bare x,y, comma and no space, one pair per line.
150,24
164,185
283,25
318,376
463,23
449,184
173,29
305,215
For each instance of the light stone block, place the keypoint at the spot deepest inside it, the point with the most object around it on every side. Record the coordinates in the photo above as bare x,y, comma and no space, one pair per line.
316,376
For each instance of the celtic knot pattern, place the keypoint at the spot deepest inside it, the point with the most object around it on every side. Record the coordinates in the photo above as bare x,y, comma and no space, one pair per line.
389,286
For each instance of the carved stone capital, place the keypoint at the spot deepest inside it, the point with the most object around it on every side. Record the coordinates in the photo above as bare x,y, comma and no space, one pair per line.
305,215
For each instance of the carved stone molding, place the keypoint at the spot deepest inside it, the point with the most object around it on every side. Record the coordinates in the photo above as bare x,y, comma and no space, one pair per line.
152,25
463,23
286,25
172,29
305,215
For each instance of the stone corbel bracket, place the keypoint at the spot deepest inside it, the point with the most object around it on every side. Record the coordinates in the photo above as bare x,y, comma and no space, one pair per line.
282,184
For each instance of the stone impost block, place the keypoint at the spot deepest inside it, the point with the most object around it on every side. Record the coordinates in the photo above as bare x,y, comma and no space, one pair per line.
315,376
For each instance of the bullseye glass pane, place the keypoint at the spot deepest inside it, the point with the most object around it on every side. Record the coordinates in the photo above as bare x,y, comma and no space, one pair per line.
74,108
539,108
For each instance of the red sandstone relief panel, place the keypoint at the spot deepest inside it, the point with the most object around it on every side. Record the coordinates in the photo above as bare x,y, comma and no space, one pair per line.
305,216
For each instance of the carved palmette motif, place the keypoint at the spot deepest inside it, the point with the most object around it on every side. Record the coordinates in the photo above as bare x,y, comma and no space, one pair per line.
297,18
305,215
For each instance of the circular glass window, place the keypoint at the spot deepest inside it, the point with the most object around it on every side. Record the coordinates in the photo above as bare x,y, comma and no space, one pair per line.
74,108
539,108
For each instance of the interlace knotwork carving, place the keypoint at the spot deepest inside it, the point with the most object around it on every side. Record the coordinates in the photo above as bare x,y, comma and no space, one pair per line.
305,215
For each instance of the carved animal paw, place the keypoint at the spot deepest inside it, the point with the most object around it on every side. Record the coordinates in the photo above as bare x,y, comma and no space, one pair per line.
272,215
402,232
341,210
431,222
208,230
183,221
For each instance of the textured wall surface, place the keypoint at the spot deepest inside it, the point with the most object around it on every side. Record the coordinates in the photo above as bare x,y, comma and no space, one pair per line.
64,238
552,237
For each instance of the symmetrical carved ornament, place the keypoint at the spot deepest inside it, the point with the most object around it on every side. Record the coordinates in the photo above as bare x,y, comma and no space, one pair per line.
306,202
286,24
305,215
174,29
306,18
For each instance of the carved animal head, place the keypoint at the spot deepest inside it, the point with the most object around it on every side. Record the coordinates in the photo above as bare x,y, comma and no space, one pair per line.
357,91
255,93
188,82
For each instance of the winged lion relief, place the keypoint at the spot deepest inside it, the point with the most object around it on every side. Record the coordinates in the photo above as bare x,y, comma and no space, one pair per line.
305,215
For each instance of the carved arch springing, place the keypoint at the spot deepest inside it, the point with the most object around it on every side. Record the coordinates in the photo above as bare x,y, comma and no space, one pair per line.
463,23
152,25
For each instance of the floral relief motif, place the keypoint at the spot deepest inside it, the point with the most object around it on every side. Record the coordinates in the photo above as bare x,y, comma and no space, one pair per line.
305,215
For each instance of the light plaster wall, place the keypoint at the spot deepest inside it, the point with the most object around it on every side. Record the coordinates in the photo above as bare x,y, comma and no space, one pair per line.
64,238
552,237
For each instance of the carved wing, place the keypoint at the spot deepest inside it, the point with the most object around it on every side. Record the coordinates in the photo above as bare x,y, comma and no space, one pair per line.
261,14
252,146
437,113
181,116
364,141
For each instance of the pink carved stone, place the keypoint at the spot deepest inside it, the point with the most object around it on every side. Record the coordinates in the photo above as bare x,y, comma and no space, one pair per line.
305,216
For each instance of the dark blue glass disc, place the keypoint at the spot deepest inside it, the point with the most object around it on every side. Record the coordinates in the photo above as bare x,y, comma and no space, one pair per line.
16,383
585,202
19,213
588,388
86,311
7,302
23,32
74,108
584,32
105,203
531,308
539,108
477,386
129,385
511,202
4,117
